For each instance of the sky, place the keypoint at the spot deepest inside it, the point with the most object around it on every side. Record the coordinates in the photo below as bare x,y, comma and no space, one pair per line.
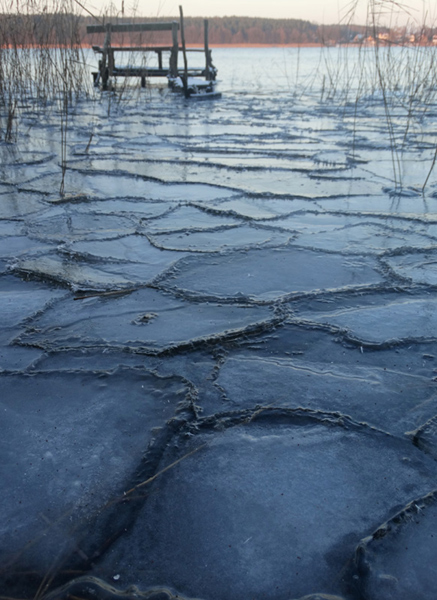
317,11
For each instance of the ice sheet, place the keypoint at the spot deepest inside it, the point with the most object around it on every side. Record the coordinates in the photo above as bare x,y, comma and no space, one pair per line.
143,321
258,482
268,275
396,562
271,250
69,444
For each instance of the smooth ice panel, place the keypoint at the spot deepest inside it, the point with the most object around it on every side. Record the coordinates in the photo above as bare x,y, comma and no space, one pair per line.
141,208
270,274
366,238
186,218
17,204
316,222
13,246
74,274
271,507
71,226
220,240
69,443
386,399
20,300
110,184
133,248
145,321
384,204
406,319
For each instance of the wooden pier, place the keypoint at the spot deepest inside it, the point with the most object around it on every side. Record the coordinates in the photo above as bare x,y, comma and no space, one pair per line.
109,69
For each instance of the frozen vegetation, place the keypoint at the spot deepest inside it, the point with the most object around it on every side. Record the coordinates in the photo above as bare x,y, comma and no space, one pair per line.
218,345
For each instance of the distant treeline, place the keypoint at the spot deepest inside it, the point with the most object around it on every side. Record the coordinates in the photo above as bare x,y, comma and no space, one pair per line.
252,30
65,28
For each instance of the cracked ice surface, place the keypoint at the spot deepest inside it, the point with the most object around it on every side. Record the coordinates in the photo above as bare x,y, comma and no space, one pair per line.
255,255
387,399
266,275
402,320
144,320
259,484
397,561
81,449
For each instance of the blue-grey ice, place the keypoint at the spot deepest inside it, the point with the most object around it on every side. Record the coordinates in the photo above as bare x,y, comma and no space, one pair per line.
268,275
397,561
143,321
70,442
259,498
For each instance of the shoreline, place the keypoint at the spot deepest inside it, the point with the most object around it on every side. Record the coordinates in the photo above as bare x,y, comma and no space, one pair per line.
307,45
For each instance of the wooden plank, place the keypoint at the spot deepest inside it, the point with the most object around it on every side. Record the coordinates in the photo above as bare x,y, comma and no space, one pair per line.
132,27
150,72
156,49
145,49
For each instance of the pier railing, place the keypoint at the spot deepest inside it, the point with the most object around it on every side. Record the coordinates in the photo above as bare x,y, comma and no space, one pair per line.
108,68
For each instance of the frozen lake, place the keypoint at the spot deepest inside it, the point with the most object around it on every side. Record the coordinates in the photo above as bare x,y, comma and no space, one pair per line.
218,350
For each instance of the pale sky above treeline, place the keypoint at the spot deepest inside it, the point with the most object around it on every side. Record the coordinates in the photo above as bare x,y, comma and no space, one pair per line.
394,12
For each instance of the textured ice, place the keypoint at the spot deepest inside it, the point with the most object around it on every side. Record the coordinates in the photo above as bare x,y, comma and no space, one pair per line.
20,300
15,204
363,238
83,226
9,228
385,204
14,358
69,444
15,246
134,248
425,436
144,321
134,206
260,208
398,561
11,156
111,185
280,182
88,588
403,320
314,222
260,252
385,398
258,499
420,267
219,240
187,218
75,274
270,274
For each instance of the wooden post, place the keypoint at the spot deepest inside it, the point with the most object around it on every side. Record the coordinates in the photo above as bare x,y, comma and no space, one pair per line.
174,51
159,52
110,62
184,51
103,62
208,62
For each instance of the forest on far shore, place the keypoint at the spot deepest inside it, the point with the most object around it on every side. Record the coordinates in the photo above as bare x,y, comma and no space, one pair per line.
65,28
